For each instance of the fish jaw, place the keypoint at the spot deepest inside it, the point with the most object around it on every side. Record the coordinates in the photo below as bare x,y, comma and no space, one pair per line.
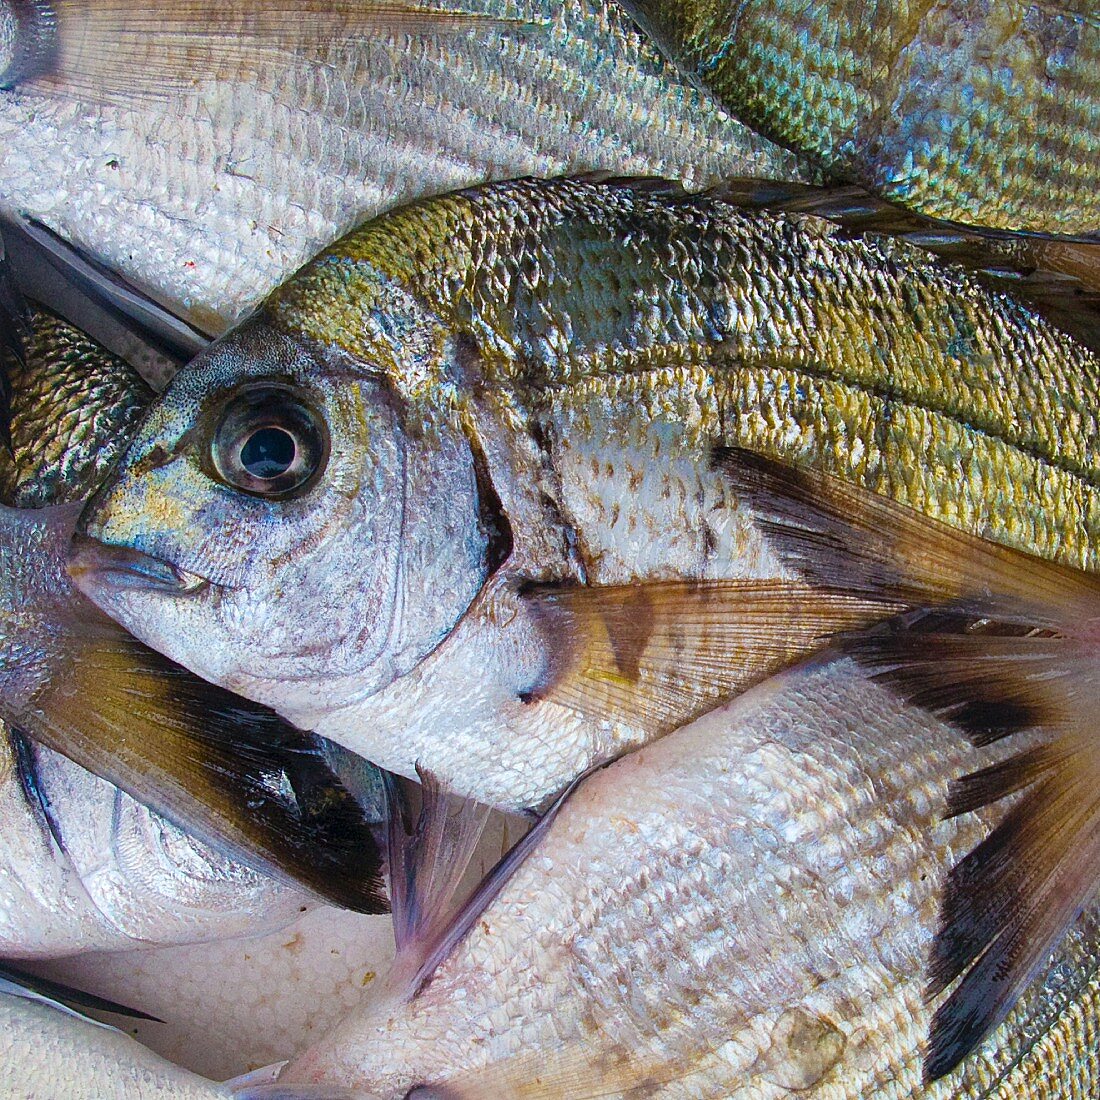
329,591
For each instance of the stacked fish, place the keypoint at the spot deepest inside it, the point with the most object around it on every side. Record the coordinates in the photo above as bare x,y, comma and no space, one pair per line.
729,510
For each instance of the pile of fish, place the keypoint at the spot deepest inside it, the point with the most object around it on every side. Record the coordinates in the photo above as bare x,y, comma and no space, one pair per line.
675,424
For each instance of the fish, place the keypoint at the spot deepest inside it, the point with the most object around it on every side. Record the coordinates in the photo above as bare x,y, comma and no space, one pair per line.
228,820
455,494
50,1049
207,167
982,114
741,909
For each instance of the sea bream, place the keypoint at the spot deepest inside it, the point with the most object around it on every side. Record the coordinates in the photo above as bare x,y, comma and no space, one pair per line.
982,113
748,907
468,493
85,866
455,494
206,152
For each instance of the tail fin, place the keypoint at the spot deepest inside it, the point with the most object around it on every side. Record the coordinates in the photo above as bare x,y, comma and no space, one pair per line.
1000,643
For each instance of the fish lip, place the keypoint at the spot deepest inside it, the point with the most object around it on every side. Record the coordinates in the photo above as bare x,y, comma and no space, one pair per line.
127,567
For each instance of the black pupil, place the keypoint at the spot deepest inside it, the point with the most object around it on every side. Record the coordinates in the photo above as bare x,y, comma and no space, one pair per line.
267,453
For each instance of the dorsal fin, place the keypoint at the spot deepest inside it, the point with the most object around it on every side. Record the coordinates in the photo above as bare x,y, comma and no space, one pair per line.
1007,644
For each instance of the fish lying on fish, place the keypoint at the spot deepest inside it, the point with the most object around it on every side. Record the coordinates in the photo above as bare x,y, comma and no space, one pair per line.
982,113
209,186
453,495
749,906
743,909
83,865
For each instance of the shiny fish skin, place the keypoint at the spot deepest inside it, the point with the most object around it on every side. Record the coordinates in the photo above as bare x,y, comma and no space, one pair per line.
45,1053
593,344
210,202
984,113
741,910
77,407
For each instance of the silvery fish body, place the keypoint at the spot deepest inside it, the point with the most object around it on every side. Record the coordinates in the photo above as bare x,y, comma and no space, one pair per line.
456,494
211,194
741,910
983,113
45,1052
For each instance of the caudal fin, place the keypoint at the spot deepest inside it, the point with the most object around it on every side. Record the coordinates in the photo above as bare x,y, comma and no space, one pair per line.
1000,643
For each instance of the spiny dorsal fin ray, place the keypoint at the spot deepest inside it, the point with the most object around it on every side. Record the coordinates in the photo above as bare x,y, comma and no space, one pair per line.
125,50
1010,647
657,655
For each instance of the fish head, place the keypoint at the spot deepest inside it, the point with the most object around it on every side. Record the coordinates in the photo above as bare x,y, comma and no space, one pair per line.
287,524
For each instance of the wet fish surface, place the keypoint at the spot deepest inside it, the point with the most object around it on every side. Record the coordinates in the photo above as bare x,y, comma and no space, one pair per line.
84,865
985,114
210,186
455,494
742,909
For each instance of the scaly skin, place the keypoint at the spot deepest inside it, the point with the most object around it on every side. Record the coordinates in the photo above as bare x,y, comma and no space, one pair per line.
211,201
594,344
984,113
741,910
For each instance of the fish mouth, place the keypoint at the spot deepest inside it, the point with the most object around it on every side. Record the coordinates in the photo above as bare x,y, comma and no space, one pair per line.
125,567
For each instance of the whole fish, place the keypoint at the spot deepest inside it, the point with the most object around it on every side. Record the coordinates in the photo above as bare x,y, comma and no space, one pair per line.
743,909
469,493
983,113
85,866
207,153
456,495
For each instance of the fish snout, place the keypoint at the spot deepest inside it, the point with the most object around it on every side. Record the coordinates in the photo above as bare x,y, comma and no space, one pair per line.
104,564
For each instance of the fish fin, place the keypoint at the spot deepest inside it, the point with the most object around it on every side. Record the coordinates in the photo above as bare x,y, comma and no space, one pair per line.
1006,904
657,655
20,983
1000,643
225,769
427,861
80,289
1060,277
118,51
26,770
841,536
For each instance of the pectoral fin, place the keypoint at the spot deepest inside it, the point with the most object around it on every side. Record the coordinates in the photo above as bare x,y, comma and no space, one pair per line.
657,655
122,50
1006,644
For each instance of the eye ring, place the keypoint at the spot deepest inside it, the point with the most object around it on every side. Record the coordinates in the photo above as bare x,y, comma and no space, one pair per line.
269,442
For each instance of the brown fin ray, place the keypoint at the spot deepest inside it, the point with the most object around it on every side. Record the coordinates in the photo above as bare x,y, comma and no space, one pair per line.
657,655
122,50
1008,645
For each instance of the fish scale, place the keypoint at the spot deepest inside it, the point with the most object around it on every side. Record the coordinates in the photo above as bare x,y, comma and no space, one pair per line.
210,199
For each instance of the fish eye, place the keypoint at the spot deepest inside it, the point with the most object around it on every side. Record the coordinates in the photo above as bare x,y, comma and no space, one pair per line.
269,442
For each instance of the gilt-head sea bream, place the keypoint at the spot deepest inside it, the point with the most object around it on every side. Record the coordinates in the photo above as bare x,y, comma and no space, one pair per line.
455,493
